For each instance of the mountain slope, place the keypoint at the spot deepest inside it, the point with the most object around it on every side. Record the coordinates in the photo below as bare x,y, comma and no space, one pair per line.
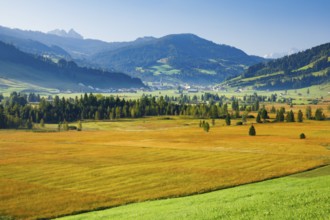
19,66
77,47
303,69
180,57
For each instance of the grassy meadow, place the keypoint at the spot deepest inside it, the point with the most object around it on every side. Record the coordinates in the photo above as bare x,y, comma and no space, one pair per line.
299,196
108,164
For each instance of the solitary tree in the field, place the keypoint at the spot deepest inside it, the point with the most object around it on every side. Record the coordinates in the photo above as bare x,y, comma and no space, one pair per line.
258,119
290,116
228,119
308,112
59,126
264,114
206,127
319,116
200,124
252,131
300,116
213,122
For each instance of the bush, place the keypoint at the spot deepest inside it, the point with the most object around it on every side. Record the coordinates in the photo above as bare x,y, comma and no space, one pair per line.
72,127
239,123
302,136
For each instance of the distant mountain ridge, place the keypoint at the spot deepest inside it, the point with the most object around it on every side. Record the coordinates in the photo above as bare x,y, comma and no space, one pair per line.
178,58
70,34
303,69
16,65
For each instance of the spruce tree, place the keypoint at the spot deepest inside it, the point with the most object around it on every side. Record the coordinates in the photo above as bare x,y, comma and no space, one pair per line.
308,112
252,131
258,119
300,116
228,119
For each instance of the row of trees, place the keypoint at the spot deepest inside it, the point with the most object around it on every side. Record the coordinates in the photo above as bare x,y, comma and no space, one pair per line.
16,110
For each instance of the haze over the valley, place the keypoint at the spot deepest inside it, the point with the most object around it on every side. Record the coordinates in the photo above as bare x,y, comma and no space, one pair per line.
256,27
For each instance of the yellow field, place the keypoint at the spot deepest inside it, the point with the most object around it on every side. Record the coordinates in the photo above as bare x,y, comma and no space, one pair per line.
44,175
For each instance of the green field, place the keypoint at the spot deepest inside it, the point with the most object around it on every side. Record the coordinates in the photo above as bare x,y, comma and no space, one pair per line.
301,196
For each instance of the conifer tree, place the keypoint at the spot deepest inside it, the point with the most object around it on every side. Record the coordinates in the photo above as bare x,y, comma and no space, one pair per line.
300,116
258,119
252,131
228,119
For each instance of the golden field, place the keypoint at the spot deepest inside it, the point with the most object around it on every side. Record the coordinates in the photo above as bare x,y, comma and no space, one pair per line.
44,175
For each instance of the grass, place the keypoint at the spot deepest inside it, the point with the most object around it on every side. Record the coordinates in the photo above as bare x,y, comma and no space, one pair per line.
164,69
44,175
208,72
301,196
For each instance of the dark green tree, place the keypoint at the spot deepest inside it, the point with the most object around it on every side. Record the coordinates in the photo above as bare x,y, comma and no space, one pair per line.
228,121
302,136
252,131
319,116
300,116
308,112
206,127
258,119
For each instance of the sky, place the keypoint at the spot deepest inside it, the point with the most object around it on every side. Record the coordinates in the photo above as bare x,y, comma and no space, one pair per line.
258,27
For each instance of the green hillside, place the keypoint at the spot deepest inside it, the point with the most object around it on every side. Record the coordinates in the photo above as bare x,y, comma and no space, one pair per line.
178,58
300,196
29,72
303,69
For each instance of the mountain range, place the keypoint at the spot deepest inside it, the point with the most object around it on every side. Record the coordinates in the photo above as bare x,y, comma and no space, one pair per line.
183,58
175,59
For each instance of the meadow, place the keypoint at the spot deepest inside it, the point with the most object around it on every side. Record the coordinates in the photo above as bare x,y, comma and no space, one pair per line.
109,164
299,196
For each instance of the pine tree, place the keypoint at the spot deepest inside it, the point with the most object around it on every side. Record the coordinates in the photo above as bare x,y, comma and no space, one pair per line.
308,112
228,119
252,131
319,116
258,119
300,116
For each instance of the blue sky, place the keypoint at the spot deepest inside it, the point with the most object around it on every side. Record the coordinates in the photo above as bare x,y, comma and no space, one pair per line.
255,26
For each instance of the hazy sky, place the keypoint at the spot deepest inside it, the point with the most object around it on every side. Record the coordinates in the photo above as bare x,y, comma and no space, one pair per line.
255,26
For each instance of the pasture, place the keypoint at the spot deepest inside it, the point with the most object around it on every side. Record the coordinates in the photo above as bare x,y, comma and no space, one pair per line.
108,164
299,196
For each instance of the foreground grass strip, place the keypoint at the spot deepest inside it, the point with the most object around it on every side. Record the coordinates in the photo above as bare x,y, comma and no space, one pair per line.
300,196
46,175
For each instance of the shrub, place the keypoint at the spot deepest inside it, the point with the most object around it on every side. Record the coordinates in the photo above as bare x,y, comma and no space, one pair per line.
302,136
239,123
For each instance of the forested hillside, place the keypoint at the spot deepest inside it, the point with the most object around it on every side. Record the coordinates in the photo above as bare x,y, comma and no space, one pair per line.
61,75
178,58
303,69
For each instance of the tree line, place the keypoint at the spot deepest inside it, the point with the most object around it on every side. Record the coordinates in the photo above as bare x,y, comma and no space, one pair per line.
22,110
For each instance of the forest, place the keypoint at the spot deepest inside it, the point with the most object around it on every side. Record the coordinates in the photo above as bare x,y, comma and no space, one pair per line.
24,110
